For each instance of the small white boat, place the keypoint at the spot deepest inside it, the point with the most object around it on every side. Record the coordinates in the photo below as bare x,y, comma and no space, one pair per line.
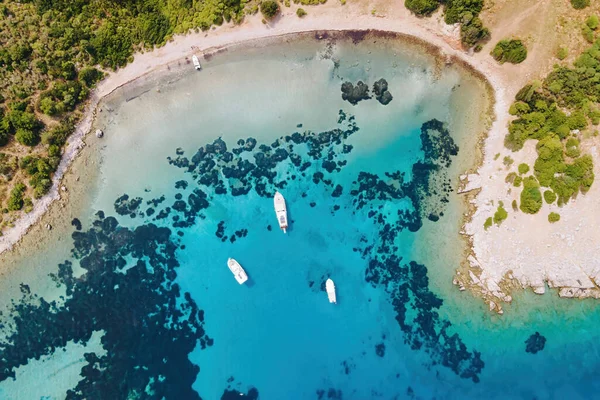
238,271
281,211
330,287
196,62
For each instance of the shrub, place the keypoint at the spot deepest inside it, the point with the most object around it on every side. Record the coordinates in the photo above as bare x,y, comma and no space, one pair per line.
587,33
553,217
27,137
562,53
531,197
15,201
592,22
488,222
517,181
510,178
300,12
90,76
572,148
512,51
515,206
422,7
549,196
580,4
508,161
269,8
523,168
500,214
472,31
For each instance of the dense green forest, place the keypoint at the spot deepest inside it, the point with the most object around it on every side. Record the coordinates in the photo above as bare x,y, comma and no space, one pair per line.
51,55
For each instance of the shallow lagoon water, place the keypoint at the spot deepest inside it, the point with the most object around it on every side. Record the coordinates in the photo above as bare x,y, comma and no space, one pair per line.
278,333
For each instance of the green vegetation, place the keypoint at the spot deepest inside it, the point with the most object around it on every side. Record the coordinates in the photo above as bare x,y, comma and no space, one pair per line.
553,217
52,54
515,206
508,161
517,181
15,201
580,4
592,22
300,12
555,112
562,53
512,51
531,197
549,196
496,156
523,168
500,215
465,12
269,8
587,33
510,178
488,223
313,2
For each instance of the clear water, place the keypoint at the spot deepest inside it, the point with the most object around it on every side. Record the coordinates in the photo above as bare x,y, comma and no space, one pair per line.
278,333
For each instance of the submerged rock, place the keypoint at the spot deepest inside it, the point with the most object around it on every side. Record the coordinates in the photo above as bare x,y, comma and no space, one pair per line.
382,94
535,343
354,94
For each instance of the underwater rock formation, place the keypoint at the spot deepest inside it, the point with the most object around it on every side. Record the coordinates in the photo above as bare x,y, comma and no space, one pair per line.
382,94
535,343
353,94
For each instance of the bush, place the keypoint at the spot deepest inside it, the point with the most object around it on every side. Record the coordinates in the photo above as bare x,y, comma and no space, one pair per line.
473,32
500,215
15,201
572,148
512,51
27,137
553,217
269,8
587,33
562,53
517,181
488,223
300,12
549,196
515,206
531,197
90,76
422,7
580,4
592,22
523,168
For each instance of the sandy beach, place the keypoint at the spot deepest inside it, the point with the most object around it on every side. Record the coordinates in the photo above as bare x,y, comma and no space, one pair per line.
525,251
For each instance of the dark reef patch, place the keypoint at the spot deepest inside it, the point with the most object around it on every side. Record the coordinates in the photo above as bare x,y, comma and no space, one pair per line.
331,393
381,92
353,94
535,343
149,326
232,394
380,349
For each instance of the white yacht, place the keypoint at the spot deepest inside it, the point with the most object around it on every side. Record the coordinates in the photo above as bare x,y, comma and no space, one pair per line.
330,287
281,211
196,62
238,271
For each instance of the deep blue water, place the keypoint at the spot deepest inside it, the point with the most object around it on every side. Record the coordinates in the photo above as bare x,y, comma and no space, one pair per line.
146,308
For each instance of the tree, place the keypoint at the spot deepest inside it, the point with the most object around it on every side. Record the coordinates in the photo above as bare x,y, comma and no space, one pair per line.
422,7
48,106
580,4
15,201
27,137
512,51
269,8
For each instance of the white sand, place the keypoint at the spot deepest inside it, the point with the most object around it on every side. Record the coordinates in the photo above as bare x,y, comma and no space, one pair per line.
527,248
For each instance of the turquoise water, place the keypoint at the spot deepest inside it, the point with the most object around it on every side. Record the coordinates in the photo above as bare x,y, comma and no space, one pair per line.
145,306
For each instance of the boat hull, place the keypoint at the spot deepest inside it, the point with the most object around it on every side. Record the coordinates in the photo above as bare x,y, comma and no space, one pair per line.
237,271
330,287
281,211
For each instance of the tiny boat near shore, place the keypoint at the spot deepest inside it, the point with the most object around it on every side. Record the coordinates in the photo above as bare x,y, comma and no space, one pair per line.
330,287
196,62
281,211
237,270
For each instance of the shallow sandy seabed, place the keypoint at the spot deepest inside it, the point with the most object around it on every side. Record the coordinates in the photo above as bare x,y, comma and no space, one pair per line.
524,251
